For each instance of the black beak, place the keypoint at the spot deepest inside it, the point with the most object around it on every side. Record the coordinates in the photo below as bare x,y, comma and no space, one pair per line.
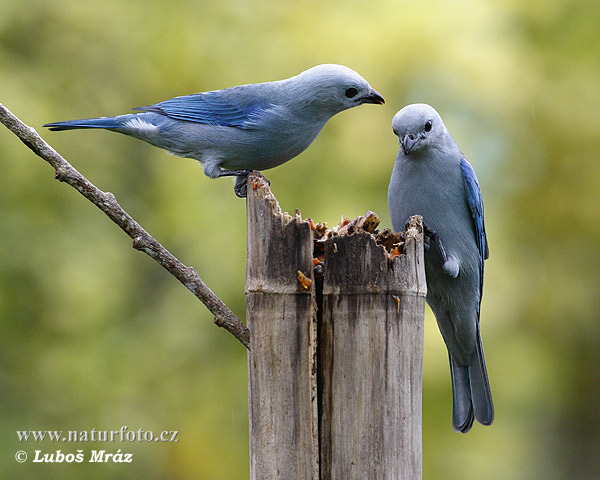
408,143
373,97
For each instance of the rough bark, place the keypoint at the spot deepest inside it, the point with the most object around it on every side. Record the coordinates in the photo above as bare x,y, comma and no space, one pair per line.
142,240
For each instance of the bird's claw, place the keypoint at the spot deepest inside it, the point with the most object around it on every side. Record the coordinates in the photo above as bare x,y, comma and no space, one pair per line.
241,186
241,182
450,265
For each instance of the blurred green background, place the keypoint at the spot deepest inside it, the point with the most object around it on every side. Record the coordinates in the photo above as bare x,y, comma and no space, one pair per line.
97,335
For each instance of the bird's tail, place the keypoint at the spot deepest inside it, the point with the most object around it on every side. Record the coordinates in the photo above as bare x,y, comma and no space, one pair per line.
103,122
472,397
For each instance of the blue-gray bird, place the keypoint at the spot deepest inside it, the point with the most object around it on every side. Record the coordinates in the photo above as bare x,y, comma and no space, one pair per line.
432,178
244,128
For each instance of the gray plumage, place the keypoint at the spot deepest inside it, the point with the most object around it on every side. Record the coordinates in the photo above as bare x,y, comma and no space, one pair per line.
432,178
248,127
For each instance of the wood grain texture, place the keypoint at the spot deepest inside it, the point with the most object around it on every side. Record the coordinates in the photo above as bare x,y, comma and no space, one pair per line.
371,353
281,316
335,366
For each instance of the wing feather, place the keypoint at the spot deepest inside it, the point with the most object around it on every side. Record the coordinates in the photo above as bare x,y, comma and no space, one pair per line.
475,202
209,108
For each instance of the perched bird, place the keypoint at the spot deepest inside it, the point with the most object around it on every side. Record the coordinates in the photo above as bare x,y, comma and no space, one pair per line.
432,178
244,128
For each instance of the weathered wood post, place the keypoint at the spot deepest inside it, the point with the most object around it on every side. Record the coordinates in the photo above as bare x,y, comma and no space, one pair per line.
371,352
281,316
335,363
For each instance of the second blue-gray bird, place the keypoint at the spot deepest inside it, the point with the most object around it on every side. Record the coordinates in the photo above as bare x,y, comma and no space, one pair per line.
244,128
432,178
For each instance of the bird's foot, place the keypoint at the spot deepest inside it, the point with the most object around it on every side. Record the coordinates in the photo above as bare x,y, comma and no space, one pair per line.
241,182
241,186
450,265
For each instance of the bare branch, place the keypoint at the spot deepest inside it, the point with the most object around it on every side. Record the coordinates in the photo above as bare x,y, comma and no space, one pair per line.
142,240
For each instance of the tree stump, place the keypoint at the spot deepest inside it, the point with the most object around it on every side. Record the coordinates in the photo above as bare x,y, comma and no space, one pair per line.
335,359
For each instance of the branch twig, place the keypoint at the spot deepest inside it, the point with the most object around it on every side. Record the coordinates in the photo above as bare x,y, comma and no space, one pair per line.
142,240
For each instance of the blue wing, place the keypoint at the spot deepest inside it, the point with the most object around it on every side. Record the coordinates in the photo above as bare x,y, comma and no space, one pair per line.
476,206
209,108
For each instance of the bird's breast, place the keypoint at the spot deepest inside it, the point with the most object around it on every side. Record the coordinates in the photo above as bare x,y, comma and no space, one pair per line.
434,190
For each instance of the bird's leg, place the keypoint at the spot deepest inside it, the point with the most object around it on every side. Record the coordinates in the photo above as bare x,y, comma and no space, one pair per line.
234,173
450,264
241,182
435,238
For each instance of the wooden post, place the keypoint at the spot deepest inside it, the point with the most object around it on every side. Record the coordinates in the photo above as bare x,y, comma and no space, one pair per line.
281,316
335,365
371,351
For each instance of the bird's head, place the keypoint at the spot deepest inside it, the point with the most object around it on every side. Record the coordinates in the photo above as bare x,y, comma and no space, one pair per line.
418,127
335,88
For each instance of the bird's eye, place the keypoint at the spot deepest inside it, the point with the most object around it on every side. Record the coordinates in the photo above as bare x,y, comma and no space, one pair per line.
351,92
428,125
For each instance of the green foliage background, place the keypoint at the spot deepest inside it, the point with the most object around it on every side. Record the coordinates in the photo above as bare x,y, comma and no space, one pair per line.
96,335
